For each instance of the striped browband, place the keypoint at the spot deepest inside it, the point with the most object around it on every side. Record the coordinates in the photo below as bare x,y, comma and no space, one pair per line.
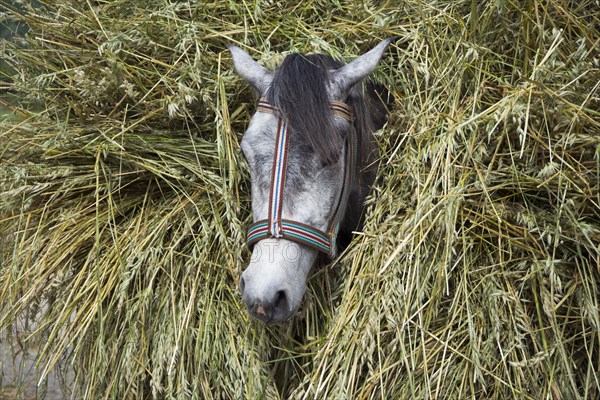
276,226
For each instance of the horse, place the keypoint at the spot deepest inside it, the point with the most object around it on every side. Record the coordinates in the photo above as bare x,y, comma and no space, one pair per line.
310,151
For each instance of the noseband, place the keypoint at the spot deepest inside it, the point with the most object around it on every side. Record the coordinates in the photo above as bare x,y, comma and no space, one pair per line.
277,227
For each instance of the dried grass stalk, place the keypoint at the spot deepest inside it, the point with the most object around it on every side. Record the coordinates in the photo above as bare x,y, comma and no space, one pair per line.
124,203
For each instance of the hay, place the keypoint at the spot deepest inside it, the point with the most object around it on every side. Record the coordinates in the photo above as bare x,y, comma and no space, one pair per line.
124,203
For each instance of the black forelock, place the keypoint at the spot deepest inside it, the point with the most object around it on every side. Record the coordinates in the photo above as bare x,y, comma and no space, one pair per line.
299,90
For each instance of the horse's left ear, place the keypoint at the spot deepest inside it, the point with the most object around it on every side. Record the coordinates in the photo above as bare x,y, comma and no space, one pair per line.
344,78
254,73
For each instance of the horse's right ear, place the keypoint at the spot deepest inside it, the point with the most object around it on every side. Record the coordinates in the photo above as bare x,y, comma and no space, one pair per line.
347,76
252,72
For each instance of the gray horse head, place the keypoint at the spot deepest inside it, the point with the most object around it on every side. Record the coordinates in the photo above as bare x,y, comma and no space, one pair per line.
302,89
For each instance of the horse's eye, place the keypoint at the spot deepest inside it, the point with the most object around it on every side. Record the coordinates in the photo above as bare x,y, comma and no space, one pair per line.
327,164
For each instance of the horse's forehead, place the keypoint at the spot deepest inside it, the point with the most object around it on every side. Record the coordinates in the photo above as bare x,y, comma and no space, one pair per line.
258,144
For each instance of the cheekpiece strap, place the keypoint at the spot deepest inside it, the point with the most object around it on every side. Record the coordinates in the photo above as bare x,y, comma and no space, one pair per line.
296,231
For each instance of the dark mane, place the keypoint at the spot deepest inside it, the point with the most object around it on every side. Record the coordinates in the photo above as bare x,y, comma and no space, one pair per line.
299,89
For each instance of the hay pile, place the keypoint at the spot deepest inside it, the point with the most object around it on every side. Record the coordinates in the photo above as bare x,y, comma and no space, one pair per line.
124,203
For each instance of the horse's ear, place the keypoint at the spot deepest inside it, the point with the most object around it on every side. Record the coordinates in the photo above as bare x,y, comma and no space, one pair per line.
252,72
344,78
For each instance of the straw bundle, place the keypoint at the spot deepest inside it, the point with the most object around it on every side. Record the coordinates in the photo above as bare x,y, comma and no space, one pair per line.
123,203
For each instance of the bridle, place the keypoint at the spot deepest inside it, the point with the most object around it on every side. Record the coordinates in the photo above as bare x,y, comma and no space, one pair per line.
277,227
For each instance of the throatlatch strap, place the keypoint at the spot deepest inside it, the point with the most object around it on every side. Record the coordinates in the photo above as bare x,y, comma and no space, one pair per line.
296,231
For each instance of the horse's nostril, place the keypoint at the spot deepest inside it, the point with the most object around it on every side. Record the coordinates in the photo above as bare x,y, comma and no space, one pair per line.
281,300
